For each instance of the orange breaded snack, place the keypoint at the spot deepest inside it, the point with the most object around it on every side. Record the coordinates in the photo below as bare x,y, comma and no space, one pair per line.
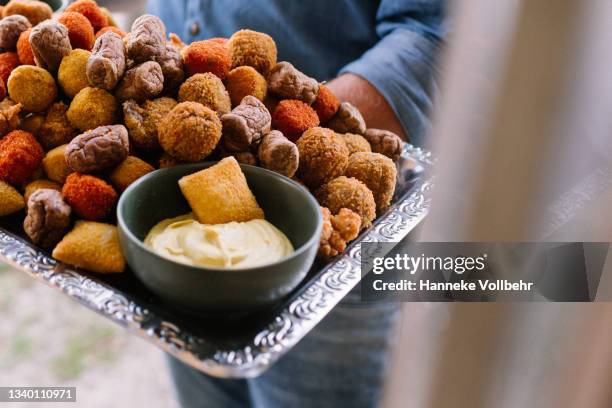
34,10
207,56
243,81
91,198
293,117
220,194
326,105
90,9
80,31
8,62
20,156
115,30
24,49
2,90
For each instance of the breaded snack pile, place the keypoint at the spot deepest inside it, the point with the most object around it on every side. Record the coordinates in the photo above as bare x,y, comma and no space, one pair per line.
86,109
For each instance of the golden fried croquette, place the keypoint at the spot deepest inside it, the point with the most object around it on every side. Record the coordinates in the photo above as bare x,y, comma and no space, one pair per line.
208,90
9,116
56,129
24,49
90,9
20,157
72,75
34,10
348,192
92,107
10,199
326,105
243,81
90,197
207,56
220,194
376,171
338,230
93,246
323,156
356,143
80,31
293,117
55,165
190,131
33,87
142,120
39,184
32,123
252,48
128,171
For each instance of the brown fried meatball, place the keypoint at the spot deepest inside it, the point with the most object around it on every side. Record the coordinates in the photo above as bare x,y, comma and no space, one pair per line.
348,192
50,43
279,154
147,38
106,64
98,149
287,82
142,82
348,119
208,90
356,143
245,125
385,142
48,217
11,28
376,171
56,130
142,121
323,156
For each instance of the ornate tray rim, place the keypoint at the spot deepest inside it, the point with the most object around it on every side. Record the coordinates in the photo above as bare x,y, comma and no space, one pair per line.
287,328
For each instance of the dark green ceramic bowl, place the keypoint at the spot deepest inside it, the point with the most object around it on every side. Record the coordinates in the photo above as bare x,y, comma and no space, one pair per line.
156,196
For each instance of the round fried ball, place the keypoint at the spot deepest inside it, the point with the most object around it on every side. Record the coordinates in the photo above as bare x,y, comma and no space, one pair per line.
8,62
115,30
40,184
34,10
20,157
90,9
293,117
252,48
207,56
208,90
33,87
243,81
24,49
376,171
92,107
90,197
72,75
356,143
348,192
142,120
190,132
326,105
323,156
80,31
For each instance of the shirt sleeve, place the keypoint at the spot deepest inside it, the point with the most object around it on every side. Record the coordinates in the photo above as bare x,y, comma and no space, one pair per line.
401,64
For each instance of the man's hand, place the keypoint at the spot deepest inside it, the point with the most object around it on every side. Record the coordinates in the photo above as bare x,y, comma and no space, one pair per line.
373,106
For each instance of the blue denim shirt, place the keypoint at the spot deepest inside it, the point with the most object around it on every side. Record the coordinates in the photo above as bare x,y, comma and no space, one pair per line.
390,43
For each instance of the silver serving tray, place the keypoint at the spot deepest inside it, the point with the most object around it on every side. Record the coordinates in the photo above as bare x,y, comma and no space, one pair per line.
229,349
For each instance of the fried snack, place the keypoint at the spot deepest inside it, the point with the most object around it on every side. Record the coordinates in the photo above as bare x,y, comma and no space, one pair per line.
348,192
246,157
93,246
89,9
142,121
208,90
56,129
34,10
326,105
72,73
356,143
385,142
20,156
10,199
287,82
2,90
9,117
8,62
32,122
147,39
24,49
142,82
99,149
348,119
293,118
279,154
130,170
50,43
172,67
243,81
55,165
48,217
245,125
11,28
323,156
207,56
80,31
113,29
220,194
165,161
337,231
92,107
106,65
39,184
90,197
252,48
33,87
376,171
190,131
